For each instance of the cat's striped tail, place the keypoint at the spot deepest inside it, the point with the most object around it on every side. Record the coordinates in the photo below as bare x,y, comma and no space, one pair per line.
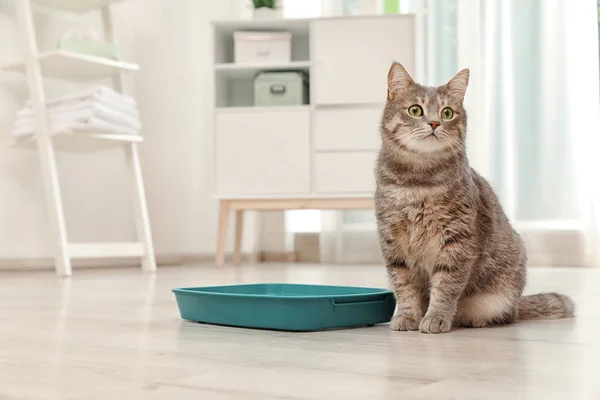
545,306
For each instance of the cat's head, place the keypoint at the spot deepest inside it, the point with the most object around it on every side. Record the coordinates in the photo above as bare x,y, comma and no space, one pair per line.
420,119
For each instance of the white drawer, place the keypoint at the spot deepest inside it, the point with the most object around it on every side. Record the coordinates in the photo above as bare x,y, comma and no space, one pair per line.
348,129
345,172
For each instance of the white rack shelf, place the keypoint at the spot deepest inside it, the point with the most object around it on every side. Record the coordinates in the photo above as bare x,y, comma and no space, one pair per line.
78,67
248,71
75,6
77,142
60,64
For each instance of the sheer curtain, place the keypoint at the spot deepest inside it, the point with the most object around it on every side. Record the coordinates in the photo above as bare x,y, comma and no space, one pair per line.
534,119
536,114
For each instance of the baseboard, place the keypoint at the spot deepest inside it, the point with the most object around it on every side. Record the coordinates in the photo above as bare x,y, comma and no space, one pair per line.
163,260
549,248
41,264
207,258
555,248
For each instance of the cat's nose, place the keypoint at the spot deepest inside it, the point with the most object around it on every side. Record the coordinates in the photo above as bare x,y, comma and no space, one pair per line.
433,124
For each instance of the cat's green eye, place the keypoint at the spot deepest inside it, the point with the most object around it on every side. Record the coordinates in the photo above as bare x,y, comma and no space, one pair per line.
415,111
447,113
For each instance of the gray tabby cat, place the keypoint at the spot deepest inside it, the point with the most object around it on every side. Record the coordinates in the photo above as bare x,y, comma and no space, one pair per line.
451,254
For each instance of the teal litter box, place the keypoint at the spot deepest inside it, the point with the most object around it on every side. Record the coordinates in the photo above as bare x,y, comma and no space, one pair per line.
286,307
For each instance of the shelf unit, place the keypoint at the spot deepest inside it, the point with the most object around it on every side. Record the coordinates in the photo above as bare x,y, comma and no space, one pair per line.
78,67
316,156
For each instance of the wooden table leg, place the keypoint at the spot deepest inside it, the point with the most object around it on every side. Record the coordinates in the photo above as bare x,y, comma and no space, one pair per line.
239,229
222,234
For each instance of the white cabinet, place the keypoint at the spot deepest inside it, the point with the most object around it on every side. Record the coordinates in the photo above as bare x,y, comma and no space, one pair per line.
353,55
316,156
263,151
323,150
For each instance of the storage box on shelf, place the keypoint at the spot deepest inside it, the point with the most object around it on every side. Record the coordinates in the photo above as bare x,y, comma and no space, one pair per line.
251,47
280,89
93,48
77,67
319,156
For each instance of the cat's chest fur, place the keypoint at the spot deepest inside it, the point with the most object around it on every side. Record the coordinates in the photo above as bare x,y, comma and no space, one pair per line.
421,225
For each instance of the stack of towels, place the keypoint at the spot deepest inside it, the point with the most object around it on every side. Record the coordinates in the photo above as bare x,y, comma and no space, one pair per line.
99,109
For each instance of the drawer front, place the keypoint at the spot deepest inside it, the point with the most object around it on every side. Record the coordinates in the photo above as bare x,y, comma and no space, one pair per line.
354,129
345,172
263,152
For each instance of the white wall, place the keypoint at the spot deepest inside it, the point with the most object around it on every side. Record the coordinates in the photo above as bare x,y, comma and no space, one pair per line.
171,42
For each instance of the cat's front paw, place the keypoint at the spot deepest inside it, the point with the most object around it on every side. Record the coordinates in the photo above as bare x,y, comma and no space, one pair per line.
435,324
404,322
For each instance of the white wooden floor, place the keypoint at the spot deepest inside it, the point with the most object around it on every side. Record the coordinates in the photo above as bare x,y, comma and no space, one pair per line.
116,334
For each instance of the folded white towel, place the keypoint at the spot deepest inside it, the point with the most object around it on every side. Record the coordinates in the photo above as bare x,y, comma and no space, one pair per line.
96,95
76,105
81,113
96,109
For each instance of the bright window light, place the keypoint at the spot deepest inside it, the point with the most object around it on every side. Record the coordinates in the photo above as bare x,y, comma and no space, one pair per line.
303,221
301,8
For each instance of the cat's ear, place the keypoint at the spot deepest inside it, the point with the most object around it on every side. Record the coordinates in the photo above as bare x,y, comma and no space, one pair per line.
398,80
457,86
